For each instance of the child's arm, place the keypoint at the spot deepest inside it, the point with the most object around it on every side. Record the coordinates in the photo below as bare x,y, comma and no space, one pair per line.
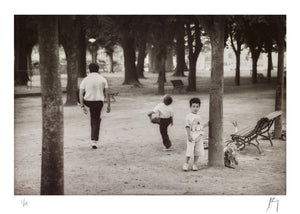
188,131
171,121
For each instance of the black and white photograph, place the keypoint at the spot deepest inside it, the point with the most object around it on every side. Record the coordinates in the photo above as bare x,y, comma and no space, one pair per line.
151,108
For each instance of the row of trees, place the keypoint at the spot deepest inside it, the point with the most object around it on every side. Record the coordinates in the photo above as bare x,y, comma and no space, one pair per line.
259,34
136,33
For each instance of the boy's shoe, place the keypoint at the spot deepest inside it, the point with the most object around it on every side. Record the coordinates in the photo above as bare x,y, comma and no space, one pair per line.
194,167
185,167
94,145
171,148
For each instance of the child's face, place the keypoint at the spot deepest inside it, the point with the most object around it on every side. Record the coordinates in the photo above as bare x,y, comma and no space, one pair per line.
195,108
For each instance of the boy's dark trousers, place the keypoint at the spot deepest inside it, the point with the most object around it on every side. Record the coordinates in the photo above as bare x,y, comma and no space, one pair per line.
163,128
95,112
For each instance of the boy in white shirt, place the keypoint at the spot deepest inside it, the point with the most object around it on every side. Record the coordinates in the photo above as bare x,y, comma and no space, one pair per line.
194,130
165,113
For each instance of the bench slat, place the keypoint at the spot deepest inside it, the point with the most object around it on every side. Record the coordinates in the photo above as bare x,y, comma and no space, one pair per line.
274,114
242,132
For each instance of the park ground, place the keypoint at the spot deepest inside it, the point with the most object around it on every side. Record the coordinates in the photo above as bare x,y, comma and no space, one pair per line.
130,159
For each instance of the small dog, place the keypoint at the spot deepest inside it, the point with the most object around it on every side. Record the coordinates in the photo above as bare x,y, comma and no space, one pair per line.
230,156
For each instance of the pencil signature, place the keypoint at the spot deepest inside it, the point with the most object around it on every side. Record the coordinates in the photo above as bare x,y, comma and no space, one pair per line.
24,203
271,201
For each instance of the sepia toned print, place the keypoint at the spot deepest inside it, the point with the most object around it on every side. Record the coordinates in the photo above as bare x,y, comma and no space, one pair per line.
234,63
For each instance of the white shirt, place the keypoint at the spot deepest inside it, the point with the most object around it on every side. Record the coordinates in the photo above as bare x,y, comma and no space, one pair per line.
194,122
163,111
93,85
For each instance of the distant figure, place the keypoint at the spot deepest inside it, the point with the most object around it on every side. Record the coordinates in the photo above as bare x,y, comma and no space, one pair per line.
93,90
194,131
162,114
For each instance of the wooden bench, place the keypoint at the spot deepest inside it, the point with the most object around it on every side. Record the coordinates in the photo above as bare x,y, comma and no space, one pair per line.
111,94
177,85
246,136
261,76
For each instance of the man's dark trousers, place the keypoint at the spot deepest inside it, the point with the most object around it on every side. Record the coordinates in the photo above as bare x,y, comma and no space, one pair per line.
95,112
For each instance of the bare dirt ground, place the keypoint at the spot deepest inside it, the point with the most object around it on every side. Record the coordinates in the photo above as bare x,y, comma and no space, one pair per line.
130,159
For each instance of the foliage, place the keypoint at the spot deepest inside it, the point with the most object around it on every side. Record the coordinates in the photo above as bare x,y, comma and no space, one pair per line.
235,29
103,29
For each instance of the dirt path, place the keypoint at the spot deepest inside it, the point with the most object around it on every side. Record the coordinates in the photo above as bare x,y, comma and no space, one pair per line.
130,159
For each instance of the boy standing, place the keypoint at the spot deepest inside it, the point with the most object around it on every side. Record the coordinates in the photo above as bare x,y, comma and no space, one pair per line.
194,131
165,114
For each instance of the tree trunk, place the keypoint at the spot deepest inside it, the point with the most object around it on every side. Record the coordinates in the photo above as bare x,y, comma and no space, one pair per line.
169,61
161,59
21,74
215,152
22,48
141,58
270,65
180,52
129,61
153,64
111,61
237,67
192,76
72,55
280,81
255,56
193,53
52,172
71,44
141,40
82,54
94,53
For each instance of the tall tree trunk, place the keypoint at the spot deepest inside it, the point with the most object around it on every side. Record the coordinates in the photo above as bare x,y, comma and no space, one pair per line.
169,61
111,61
180,52
270,65
192,61
237,67
129,60
71,30
21,73
29,68
237,52
52,173
153,64
215,152
192,76
82,54
141,58
141,39
72,55
280,79
94,52
161,59
21,51
193,53
255,56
